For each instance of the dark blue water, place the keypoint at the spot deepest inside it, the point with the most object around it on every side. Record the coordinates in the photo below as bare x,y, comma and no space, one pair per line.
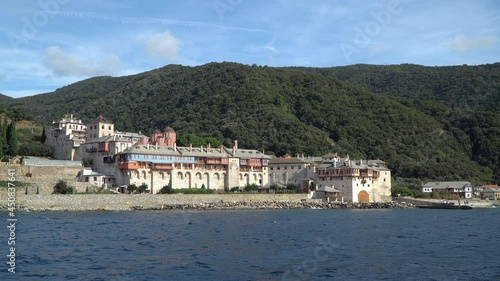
409,244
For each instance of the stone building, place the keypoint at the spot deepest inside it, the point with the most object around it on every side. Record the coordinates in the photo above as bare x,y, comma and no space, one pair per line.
357,180
159,161
66,136
292,171
354,180
100,127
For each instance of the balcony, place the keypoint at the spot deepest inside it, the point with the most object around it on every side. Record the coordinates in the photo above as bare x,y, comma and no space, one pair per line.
162,167
128,166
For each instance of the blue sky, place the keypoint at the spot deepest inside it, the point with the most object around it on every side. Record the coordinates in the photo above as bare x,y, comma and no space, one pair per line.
47,44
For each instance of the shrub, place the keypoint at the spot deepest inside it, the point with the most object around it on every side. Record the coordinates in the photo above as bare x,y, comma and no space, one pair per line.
167,189
193,191
35,149
62,188
132,188
142,188
251,187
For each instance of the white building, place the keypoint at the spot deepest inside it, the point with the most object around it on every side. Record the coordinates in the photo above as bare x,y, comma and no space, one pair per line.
463,189
65,136
357,180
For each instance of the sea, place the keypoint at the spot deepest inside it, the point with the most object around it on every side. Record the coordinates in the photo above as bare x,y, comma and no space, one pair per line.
304,244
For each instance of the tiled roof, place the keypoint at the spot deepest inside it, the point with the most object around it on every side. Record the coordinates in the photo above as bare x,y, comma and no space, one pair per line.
292,160
196,151
447,184
35,161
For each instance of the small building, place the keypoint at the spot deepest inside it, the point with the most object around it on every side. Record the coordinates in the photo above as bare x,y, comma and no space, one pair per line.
65,136
328,193
91,177
490,193
461,188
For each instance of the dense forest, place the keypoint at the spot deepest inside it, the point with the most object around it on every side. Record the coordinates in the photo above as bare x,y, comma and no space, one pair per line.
5,100
440,123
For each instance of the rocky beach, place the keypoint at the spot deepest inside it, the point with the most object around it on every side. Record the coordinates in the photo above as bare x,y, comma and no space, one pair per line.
136,202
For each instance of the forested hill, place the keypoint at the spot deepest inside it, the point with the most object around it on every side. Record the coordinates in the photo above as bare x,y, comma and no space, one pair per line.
291,110
5,100
466,87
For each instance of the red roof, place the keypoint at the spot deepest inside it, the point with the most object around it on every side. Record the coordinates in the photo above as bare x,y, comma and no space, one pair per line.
491,186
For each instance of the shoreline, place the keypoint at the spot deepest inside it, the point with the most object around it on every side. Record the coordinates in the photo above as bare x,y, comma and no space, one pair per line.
238,205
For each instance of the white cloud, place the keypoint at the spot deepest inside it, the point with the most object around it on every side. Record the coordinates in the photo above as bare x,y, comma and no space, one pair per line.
62,64
163,45
462,43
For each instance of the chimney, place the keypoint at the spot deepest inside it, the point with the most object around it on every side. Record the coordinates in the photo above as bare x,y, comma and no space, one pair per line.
221,148
190,147
236,144
147,146
208,148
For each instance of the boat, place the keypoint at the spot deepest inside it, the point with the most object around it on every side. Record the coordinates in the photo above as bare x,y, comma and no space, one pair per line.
444,205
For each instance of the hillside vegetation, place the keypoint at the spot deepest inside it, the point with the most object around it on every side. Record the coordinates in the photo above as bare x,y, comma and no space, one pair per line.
5,100
421,127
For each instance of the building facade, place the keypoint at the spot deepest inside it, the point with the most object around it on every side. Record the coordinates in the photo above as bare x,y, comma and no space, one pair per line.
159,162
352,180
357,180
296,171
66,136
463,189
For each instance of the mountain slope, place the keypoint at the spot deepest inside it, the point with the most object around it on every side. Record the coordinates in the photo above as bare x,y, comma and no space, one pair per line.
5,100
279,110
466,87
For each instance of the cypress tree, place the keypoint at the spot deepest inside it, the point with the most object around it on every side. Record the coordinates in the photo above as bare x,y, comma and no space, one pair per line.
3,134
1,148
43,138
12,139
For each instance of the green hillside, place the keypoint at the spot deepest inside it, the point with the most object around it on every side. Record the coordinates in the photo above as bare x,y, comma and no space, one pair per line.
294,110
465,87
5,100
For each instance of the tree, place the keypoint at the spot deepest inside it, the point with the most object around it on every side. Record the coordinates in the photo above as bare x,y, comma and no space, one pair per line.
142,188
3,134
1,148
167,189
12,139
62,187
87,162
43,137
132,188
36,149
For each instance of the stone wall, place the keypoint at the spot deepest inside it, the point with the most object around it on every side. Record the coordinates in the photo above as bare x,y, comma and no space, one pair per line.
126,202
41,180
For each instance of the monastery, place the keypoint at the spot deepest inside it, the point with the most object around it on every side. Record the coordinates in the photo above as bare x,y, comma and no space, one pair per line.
119,159
341,179
123,158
